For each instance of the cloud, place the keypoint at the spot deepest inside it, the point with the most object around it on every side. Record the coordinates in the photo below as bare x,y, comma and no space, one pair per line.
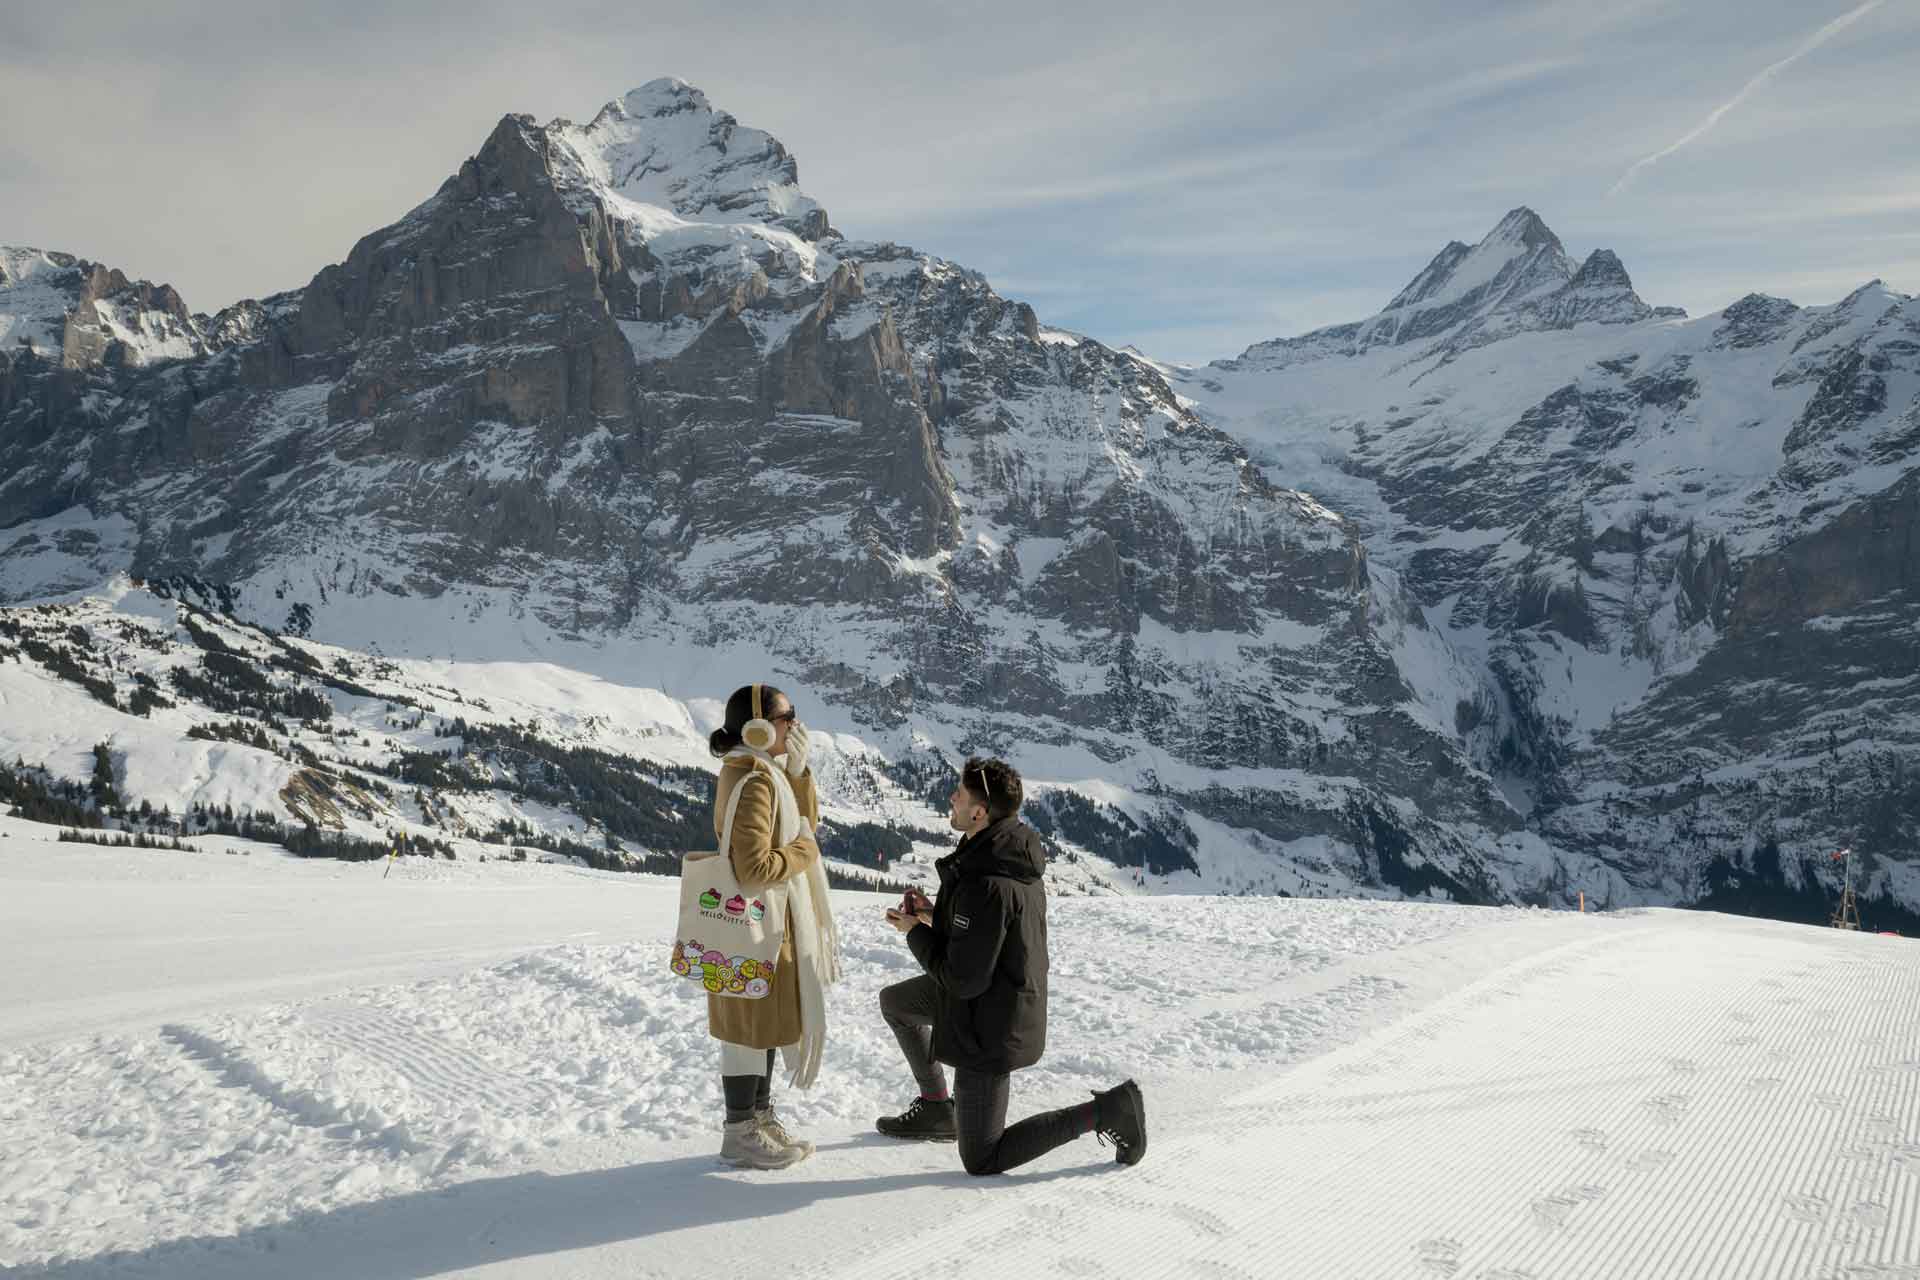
1714,117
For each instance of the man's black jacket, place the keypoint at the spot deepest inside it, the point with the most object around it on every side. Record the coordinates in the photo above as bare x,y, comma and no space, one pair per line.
987,951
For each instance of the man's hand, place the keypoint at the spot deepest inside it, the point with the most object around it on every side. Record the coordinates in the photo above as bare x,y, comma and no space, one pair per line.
905,923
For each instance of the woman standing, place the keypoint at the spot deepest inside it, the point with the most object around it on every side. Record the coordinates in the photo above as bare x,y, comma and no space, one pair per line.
764,758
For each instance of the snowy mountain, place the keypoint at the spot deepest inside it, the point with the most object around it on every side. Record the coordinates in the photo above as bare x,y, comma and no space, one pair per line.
132,716
80,314
619,396
1681,548
1517,279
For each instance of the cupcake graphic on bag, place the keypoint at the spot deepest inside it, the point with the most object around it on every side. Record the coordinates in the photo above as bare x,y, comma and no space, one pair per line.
758,910
736,905
709,900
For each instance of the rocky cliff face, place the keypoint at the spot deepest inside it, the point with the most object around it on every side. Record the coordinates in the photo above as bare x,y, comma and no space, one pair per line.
625,379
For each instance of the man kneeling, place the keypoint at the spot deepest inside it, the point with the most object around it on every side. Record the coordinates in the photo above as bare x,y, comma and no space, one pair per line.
983,944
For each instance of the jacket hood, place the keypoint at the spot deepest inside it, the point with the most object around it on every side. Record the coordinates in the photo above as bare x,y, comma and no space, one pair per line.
1007,848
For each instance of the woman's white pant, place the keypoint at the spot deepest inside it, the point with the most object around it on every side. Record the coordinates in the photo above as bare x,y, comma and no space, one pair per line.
741,1060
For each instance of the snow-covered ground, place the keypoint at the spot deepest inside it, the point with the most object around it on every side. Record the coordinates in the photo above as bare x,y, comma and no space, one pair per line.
227,1064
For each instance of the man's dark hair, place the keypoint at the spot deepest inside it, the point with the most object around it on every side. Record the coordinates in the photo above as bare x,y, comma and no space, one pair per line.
995,784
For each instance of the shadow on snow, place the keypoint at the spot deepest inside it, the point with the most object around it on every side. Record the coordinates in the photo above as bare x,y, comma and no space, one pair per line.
529,1215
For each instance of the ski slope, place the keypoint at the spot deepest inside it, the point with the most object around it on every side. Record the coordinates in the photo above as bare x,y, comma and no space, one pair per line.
227,1064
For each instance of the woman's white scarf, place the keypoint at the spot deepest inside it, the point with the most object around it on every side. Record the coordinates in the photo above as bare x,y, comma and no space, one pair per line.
816,940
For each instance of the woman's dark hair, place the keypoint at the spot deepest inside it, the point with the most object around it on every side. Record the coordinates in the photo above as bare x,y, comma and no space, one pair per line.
995,784
739,711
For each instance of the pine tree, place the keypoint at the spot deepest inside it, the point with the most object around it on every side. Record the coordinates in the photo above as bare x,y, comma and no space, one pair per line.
1224,736
1642,523
103,792
1123,687
1582,538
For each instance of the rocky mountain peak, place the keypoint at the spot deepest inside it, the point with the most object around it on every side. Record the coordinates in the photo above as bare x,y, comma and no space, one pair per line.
665,145
87,313
1520,250
1522,226
1874,295
1602,269
1753,321
1517,278
1465,293
667,96
1600,291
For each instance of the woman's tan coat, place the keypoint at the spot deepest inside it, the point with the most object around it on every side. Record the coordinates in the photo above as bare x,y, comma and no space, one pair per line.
774,1019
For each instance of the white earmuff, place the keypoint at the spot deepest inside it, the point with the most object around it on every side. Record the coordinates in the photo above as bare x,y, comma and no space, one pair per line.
758,732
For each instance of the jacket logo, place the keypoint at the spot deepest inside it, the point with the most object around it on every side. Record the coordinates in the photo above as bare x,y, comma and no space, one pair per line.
960,922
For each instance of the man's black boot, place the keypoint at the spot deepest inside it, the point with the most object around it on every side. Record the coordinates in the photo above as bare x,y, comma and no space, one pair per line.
1120,1117
924,1120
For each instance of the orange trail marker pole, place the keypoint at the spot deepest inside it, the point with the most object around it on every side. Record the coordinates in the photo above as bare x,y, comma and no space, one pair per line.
1583,902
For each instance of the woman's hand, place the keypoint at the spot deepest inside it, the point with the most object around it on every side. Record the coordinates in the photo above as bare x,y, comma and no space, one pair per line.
796,749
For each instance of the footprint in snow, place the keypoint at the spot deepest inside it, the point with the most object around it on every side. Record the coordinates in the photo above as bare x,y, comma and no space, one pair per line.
1552,1211
1806,1207
1440,1257
1200,1220
1217,1270
1667,1108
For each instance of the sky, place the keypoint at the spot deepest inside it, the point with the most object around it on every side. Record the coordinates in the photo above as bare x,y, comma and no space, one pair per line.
1189,180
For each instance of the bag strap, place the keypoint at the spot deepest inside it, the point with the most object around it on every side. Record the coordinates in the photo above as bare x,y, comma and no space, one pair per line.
726,823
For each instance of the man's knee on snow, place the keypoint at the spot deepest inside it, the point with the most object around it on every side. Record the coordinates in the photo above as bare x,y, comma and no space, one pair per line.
979,1161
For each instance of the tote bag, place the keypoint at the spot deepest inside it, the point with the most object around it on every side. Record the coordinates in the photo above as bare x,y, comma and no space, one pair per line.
728,940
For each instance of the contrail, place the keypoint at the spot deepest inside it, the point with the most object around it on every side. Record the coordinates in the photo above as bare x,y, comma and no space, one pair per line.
1807,46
